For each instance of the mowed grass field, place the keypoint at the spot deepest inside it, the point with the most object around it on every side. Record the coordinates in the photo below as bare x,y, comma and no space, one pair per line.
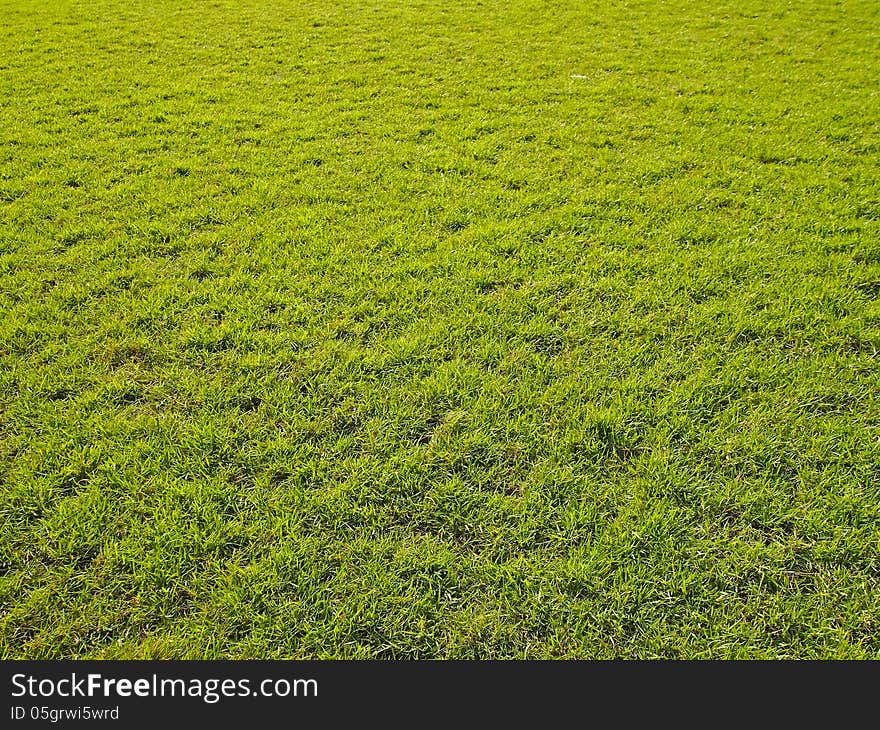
439,329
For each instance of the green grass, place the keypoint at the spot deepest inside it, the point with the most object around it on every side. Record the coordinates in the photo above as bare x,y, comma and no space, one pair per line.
439,329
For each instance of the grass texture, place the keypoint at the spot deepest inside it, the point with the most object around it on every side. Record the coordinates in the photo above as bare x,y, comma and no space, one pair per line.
403,329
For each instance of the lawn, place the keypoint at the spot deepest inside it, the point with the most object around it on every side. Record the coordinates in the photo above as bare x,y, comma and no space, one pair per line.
398,329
